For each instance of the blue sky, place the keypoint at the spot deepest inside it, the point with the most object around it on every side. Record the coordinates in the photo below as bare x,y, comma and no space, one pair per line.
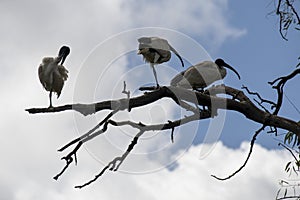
260,55
102,36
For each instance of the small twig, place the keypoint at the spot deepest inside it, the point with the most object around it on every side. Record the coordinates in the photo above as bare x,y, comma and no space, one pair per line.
279,87
68,158
248,156
262,100
113,166
262,106
128,95
81,140
172,132
273,130
96,177
124,90
89,132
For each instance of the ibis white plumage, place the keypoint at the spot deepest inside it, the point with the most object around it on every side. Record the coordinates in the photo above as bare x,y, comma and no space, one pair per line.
202,75
53,74
156,50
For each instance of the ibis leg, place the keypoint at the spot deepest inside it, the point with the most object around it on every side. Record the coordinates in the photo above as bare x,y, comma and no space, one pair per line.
155,75
50,97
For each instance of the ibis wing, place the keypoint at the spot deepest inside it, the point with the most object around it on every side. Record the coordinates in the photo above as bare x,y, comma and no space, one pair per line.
163,54
40,72
154,42
197,76
189,78
42,77
63,72
144,40
209,72
59,77
160,46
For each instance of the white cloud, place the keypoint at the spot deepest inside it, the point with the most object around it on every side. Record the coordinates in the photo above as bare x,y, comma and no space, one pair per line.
34,29
208,19
191,180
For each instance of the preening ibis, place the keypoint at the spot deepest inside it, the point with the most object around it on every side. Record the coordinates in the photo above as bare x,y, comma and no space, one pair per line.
202,75
53,74
156,50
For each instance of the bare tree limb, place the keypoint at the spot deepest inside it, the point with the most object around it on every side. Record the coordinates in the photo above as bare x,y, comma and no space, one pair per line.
87,135
184,98
116,162
279,87
244,105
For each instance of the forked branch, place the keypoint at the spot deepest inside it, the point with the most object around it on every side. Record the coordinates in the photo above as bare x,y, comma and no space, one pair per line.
186,99
116,162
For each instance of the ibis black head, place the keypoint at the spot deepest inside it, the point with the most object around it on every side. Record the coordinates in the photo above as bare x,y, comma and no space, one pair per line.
221,63
64,51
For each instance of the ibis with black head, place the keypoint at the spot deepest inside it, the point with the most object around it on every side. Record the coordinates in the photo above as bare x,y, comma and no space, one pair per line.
202,74
53,74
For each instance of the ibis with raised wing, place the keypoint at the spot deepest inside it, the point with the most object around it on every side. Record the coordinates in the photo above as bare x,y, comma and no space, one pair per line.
155,51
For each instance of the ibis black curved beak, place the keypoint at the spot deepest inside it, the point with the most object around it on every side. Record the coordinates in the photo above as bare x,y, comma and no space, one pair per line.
177,54
64,51
232,69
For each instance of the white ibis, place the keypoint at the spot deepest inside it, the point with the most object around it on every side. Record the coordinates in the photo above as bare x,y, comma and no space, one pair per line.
52,75
156,50
203,74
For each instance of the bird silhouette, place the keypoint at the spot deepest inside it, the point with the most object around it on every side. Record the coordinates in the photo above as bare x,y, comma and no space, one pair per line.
202,74
155,51
53,74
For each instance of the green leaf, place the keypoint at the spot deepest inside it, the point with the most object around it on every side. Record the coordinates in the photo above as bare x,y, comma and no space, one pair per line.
285,192
288,137
287,167
298,163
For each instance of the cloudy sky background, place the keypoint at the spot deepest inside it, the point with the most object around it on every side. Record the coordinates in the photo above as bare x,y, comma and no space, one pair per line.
242,33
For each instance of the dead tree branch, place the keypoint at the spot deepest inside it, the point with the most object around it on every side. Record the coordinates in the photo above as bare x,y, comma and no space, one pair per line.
279,88
116,162
244,105
237,101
